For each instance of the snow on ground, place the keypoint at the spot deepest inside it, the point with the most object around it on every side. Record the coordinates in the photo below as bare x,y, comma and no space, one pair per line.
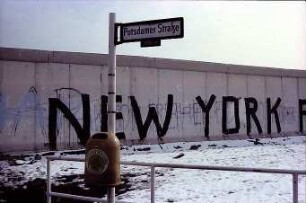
182,185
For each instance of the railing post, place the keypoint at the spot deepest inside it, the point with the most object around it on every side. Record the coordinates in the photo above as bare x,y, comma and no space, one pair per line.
295,187
152,184
111,194
49,197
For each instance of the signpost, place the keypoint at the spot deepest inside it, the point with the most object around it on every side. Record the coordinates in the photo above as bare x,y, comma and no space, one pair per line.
111,111
149,33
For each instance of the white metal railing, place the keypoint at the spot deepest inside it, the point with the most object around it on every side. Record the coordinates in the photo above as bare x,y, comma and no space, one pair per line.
294,173
50,193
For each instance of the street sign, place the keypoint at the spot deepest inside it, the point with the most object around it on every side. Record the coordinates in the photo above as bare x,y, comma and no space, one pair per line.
150,33
148,30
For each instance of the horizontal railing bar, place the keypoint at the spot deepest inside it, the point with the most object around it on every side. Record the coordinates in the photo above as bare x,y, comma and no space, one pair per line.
65,158
185,166
217,168
77,197
82,198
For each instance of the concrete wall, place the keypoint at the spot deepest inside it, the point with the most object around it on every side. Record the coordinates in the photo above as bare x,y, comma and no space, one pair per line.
28,78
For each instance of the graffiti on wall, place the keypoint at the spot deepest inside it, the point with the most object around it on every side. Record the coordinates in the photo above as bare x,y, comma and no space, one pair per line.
13,118
251,107
84,114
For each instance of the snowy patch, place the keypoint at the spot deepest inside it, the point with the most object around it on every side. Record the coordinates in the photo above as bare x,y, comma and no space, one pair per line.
182,185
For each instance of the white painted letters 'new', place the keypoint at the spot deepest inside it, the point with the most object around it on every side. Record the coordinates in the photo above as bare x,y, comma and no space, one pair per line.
156,29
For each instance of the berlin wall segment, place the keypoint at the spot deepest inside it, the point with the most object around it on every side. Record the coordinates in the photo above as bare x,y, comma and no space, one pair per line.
24,114
251,106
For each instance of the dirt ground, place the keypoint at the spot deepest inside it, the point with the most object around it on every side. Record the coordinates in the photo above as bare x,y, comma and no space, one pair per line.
35,191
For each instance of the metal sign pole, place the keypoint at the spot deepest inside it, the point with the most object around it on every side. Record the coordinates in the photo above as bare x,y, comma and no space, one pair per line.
111,90
158,29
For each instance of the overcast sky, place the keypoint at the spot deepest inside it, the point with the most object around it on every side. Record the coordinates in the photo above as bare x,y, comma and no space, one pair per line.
271,34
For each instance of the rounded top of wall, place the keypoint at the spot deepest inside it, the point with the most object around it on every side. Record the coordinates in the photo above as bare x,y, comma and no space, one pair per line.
43,56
